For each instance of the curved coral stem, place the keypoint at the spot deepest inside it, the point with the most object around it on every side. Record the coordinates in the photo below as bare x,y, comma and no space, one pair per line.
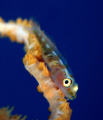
35,65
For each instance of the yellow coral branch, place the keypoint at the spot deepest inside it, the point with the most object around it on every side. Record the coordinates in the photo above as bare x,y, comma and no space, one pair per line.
5,114
35,65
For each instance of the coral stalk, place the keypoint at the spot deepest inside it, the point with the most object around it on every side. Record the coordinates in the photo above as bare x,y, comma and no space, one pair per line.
35,65
5,114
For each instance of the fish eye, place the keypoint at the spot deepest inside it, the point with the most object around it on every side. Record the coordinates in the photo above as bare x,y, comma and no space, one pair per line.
67,82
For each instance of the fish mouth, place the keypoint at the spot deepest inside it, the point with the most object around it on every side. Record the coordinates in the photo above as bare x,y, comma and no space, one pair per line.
72,92
71,95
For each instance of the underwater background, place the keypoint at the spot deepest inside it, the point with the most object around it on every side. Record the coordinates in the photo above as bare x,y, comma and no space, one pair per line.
76,27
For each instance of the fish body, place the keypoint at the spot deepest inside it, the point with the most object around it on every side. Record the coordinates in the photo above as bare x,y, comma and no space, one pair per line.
60,71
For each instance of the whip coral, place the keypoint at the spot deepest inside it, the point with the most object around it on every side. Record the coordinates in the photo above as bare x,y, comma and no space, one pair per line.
34,64
5,114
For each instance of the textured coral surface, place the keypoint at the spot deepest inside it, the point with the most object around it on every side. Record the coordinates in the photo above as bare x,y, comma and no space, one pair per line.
35,65
5,114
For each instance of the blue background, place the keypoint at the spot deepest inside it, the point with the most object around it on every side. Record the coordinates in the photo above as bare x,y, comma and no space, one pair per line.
76,26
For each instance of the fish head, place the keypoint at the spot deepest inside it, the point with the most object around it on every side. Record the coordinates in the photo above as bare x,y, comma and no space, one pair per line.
71,88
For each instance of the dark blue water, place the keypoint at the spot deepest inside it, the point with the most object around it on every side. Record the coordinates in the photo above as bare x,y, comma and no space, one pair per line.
77,29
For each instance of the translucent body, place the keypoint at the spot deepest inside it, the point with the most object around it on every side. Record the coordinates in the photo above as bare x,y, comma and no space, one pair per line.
58,67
